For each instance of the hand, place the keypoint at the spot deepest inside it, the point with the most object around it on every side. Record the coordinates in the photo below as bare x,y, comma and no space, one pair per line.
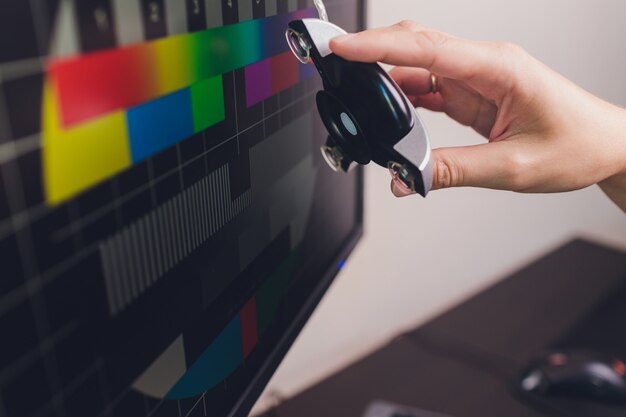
545,133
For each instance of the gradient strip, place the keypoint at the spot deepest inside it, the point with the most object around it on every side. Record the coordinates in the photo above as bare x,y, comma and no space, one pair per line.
95,84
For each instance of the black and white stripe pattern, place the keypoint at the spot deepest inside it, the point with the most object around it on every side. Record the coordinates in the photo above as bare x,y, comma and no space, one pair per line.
135,258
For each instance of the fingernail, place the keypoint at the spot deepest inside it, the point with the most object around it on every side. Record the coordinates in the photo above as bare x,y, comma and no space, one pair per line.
343,38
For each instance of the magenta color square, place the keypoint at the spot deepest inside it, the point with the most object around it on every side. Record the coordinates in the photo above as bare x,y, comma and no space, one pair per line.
258,82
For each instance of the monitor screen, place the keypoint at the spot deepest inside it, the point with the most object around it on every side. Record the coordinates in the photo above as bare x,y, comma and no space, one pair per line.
167,222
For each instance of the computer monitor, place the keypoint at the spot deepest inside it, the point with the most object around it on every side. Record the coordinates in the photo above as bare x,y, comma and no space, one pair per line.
167,223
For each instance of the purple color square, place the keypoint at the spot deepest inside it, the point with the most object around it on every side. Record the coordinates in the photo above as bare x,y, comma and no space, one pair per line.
258,82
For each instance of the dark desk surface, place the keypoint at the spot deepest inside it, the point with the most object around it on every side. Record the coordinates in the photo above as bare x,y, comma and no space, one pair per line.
462,363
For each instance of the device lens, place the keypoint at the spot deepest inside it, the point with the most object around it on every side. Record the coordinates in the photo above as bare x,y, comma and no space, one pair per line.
299,46
348,124
332,156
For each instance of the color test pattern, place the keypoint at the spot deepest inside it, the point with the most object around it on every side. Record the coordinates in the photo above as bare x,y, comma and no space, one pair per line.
102,82
105,111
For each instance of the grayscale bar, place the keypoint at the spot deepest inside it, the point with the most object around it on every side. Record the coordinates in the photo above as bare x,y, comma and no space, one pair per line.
175,16
271,7
214,13
245,10
128,23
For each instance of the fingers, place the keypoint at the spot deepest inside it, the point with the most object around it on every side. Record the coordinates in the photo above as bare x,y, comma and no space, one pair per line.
434,51
404,25
413,81
433,102
498,165
416,84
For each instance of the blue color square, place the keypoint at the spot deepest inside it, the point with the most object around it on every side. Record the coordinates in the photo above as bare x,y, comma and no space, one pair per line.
159,124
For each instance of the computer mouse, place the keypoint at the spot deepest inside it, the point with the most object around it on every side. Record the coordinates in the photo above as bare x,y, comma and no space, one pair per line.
579,374
367,115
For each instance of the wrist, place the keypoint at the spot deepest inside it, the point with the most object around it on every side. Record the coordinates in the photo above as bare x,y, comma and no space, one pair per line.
621,144
615,185
612,138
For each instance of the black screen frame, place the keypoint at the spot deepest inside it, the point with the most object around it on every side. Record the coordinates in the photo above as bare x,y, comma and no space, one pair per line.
259,382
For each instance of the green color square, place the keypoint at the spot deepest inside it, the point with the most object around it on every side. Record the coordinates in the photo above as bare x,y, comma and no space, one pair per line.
207,102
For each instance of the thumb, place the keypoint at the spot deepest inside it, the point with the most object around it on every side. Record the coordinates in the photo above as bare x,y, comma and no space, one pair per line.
497,165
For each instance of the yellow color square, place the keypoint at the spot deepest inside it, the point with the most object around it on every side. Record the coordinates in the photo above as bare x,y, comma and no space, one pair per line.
81,157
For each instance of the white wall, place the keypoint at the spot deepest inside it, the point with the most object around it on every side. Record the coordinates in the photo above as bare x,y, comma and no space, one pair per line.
419,256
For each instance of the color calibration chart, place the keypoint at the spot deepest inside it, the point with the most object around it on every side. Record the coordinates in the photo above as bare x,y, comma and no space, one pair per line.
104,111
160,192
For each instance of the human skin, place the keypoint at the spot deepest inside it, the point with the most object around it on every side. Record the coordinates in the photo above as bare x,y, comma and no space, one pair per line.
545,134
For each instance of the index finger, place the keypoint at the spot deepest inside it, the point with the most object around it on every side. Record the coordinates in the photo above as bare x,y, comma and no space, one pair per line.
435,51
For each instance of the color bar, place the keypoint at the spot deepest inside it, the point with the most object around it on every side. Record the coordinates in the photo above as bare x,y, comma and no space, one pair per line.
95,84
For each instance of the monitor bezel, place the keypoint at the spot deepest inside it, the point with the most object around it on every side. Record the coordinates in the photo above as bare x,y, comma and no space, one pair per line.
255,388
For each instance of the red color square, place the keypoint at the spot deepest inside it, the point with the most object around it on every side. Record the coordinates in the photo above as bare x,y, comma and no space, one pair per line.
249,332
285,72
